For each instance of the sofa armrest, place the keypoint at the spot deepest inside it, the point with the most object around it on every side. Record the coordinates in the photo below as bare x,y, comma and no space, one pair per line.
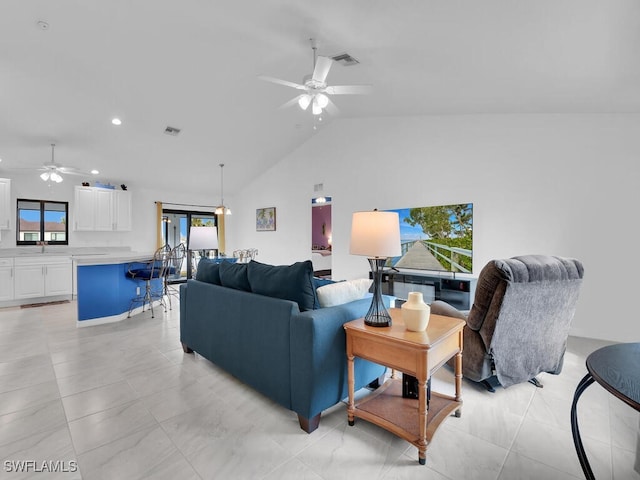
318,357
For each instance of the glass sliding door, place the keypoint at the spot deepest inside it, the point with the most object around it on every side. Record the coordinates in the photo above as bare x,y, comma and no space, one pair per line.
175,230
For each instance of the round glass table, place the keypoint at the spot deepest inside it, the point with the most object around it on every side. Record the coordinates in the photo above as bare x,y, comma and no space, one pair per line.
617,369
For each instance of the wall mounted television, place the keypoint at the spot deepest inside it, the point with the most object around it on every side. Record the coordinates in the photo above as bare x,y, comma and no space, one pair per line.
436,238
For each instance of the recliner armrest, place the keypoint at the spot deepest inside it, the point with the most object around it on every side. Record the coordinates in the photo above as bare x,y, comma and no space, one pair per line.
438,307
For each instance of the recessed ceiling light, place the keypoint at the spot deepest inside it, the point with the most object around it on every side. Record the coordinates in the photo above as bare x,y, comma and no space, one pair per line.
95,172
43,25
116,121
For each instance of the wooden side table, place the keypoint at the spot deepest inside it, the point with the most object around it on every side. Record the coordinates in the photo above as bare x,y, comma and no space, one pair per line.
418,354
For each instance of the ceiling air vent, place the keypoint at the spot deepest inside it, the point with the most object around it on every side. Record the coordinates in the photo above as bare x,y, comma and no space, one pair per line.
172,131
345,59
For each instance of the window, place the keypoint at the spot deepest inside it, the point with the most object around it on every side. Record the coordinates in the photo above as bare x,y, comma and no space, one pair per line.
42,220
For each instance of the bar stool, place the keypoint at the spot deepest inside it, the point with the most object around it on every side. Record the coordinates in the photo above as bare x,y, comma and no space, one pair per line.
173,272
152,273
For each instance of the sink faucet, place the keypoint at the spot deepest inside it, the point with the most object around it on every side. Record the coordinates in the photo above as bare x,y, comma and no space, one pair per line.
42,244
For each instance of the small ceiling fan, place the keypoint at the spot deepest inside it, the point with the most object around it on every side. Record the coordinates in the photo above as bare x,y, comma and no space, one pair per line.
53,172
315,91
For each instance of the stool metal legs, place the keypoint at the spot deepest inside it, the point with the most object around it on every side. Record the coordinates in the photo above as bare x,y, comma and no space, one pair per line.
148,297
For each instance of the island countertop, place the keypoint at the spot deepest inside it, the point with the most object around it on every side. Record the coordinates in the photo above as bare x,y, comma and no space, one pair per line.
111,258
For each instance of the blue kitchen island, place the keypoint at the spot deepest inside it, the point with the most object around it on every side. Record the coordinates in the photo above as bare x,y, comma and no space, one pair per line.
104,292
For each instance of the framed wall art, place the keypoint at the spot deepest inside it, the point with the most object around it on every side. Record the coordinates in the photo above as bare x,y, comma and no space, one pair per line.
266,219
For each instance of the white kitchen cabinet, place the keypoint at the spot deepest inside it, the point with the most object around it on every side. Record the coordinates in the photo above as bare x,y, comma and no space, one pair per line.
102,210
58,279
93,209
5,204
29,281
122,210
84,209
6,279
42,277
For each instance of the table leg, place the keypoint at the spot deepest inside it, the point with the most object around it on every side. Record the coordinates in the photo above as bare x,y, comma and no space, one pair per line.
577,441
351,384
457,366
423,412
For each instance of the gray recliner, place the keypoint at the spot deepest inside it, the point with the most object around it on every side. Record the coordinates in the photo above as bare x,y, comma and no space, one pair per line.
520,318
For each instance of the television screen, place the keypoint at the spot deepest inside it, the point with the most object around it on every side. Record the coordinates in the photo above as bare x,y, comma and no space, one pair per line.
438,238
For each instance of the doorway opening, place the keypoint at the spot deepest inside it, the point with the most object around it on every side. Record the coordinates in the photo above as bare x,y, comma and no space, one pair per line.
321,237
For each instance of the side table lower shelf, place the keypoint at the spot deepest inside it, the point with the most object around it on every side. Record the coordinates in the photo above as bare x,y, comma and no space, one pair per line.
388,409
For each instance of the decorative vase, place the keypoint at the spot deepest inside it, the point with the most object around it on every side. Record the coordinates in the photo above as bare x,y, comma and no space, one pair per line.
415,313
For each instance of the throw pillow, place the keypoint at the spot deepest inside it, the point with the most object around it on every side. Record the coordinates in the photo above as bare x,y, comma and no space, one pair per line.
234,275
321,282
343,292
208,271
288,282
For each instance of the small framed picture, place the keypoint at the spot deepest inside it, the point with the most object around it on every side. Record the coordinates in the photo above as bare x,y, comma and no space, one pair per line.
266,219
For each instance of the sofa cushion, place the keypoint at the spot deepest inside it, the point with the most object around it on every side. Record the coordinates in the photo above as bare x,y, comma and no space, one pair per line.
234,275
208,271
343,292
288,282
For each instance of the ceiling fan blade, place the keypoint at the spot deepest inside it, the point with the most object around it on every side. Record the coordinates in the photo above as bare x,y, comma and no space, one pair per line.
321,70
291,102
349,89
332,109
71,171
286,83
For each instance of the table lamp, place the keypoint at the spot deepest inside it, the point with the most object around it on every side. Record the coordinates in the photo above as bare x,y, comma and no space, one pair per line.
376,235
203,239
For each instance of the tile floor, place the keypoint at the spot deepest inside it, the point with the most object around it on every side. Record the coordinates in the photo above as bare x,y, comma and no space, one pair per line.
124,402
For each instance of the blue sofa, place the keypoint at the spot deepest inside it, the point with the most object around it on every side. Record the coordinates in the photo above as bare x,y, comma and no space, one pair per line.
290,350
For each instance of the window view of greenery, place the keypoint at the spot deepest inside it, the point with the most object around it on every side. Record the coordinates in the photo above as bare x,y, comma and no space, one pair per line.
203,221
436,238
42,220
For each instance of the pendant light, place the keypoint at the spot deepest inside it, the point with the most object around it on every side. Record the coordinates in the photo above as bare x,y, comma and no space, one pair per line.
221,209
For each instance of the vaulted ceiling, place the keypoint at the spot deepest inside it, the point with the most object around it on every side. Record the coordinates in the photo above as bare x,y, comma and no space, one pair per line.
193,65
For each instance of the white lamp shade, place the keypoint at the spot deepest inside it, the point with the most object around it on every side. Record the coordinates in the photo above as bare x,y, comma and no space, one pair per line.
304,101
203,238
375,234
323,100
315,106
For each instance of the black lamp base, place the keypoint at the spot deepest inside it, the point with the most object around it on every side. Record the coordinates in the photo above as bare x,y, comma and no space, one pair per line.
377,316
379,321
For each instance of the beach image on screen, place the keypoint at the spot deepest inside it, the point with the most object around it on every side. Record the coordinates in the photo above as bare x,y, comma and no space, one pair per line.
437,238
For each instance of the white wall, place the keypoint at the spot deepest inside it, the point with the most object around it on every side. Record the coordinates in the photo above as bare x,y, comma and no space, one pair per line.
552,184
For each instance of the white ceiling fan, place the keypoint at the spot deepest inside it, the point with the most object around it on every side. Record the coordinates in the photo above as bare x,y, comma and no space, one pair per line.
53,172
315,91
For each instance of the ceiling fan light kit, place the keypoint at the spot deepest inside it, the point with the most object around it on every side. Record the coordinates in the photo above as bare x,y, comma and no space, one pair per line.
53,176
